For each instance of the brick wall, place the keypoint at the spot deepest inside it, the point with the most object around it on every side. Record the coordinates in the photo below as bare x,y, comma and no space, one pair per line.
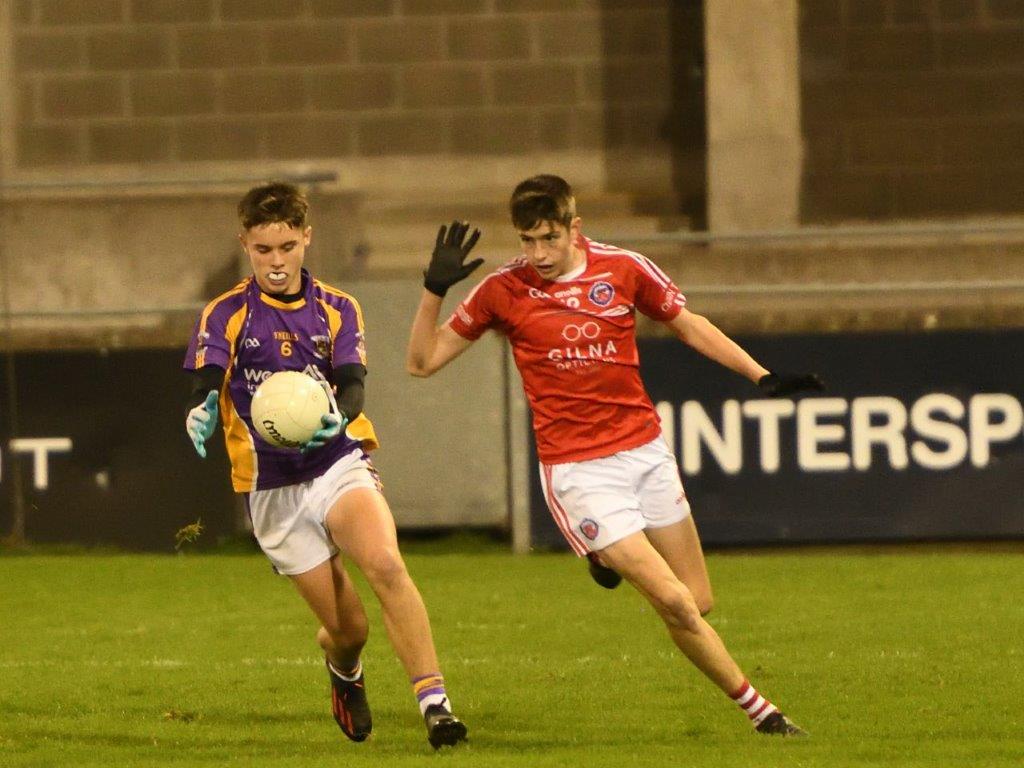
912,108
108,82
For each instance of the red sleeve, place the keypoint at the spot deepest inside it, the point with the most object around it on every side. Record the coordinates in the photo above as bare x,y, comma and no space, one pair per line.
476,313
656,295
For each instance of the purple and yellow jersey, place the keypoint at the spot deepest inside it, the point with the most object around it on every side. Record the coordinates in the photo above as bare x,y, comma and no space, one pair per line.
251,335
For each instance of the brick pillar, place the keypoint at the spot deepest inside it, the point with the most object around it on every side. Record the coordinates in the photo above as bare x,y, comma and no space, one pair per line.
753,114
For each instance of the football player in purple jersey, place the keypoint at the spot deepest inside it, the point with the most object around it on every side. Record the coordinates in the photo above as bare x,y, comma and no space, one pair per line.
311,509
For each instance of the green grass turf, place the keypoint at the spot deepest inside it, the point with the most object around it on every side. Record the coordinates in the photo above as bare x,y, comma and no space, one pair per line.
888,657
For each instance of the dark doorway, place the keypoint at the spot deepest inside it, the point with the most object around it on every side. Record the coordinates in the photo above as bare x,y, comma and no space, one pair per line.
654,90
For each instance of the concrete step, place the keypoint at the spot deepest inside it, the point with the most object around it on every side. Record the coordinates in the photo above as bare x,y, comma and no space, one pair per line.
401,233
399,208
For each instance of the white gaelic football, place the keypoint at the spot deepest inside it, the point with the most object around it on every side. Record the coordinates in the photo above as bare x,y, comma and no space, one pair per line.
287,407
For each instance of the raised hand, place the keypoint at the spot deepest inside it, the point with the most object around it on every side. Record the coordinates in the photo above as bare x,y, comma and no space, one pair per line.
447,264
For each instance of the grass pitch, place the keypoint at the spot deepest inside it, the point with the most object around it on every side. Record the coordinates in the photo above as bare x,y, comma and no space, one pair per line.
888,657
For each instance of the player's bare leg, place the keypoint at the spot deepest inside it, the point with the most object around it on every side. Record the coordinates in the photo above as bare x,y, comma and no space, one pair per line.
361,525
639,562
329,591
679,545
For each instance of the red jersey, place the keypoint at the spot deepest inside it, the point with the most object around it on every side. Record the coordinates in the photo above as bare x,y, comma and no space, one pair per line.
574,342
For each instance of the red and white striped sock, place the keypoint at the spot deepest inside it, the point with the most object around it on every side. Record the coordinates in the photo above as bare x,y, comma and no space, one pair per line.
753,703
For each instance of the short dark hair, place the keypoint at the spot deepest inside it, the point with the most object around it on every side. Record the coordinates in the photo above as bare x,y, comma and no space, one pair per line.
542,198
272,203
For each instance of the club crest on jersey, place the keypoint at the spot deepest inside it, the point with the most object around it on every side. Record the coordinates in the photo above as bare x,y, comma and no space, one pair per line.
322,346
589,528
601,293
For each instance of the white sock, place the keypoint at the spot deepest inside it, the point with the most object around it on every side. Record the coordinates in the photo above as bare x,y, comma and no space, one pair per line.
350,678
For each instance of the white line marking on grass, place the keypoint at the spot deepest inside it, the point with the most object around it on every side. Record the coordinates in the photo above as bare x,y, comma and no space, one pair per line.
159,663
304,661
898,654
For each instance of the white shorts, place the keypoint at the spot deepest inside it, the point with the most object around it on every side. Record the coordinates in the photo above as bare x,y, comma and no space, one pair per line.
598,502
290,522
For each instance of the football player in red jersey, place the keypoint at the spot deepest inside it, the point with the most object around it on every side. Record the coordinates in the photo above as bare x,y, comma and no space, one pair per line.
568,307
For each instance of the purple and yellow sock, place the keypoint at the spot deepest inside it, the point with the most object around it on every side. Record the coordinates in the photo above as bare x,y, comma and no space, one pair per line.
429,690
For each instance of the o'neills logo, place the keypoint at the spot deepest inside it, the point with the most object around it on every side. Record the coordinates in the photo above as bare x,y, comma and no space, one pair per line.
322,346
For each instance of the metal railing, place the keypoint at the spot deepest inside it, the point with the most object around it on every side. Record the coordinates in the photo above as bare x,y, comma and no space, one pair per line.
943,231
325,177
917,286
1000,227
815,288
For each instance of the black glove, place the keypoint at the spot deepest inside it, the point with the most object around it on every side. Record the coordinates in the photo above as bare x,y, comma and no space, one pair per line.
446,265
782,384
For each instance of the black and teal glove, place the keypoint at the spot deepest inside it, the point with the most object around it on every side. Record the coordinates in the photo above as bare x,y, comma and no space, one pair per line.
334,422
201,421
333,425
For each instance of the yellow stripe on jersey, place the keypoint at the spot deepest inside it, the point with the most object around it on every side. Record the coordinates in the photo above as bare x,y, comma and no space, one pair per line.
359,317
361,429
355,304
278,304
333,319
237,438
239,443
234,328
201,350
